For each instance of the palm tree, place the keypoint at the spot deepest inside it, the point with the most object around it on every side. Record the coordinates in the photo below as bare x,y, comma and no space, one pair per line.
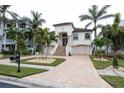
33,23
44,38
50,37
3,11
95,15
39,39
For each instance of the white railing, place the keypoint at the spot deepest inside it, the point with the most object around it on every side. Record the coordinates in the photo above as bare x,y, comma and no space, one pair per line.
54,49
9,41
67,50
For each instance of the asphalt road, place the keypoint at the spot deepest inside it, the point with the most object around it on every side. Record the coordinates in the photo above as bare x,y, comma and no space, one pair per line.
6,85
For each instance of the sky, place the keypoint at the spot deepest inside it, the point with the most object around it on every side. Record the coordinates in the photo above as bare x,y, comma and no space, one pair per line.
59,11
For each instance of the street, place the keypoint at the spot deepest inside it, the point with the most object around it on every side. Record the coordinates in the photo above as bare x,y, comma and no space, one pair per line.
6,85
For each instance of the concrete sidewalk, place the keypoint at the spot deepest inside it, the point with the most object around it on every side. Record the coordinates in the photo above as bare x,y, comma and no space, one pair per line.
76,71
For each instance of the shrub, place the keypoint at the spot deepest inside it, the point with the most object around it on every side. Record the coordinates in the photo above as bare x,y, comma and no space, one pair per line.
109,55
26,52
120,55
99,53
115,63
7,52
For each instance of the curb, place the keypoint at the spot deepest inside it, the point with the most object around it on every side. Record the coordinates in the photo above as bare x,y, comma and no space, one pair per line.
22,82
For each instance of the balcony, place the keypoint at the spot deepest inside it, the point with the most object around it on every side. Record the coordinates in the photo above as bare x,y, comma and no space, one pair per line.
7,41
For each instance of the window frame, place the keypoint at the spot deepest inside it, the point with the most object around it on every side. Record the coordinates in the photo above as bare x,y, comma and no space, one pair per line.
87,36
75,36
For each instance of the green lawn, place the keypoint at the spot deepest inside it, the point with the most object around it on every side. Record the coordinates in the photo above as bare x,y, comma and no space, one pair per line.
104,64
11,71
55,63
115,81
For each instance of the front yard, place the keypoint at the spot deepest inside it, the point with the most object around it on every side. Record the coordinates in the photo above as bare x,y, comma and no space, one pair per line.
25,71
105,64
115,81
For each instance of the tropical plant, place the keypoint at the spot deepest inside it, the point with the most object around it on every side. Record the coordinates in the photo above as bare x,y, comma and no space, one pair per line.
39,39
34,23
50,37
43,39
115,34
107,43
18,37
99,42
115,63
96,15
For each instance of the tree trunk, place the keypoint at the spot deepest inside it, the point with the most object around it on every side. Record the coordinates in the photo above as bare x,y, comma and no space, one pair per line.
34,47
107,49
47,51
18,59
4,27
42,51
95,33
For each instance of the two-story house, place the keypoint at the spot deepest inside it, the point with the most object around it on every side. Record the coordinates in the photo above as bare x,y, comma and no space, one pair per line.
72,41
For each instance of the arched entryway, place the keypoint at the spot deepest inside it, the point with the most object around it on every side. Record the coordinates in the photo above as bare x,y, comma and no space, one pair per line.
63,38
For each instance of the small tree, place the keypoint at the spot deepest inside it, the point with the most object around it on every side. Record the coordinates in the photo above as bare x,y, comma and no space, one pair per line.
100,42
43,38
50,37
115,63
107,43
40,39
17,36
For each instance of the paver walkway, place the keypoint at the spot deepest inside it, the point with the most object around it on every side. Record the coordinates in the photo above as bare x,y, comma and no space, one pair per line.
76,71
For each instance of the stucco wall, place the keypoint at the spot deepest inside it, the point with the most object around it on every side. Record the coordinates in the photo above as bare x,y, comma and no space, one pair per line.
64,28
81,39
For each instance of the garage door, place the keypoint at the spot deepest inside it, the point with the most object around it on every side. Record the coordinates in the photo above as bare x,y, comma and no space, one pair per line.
78,50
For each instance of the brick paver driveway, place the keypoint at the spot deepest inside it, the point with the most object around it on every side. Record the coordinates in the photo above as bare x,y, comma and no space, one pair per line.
76,71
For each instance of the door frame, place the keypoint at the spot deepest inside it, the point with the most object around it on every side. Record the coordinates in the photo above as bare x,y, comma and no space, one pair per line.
64,39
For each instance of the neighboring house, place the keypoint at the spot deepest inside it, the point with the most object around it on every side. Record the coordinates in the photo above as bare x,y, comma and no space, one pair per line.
72,41
6,43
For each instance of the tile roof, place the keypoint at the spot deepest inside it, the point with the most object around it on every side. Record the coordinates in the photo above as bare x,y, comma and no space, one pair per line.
82,30
65,23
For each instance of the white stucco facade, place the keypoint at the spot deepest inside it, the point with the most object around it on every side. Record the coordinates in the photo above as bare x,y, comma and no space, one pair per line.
81,39
79,46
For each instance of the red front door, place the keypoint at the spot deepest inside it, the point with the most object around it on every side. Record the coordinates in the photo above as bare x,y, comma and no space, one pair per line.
64,39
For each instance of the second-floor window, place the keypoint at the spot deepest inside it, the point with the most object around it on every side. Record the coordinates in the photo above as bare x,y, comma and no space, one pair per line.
75,36
87,36
22,26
